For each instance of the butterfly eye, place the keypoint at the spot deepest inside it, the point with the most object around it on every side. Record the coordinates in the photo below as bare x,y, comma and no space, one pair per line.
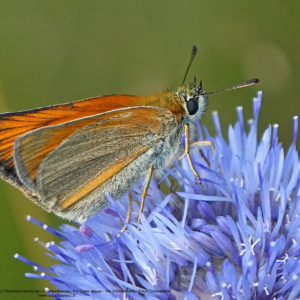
192,106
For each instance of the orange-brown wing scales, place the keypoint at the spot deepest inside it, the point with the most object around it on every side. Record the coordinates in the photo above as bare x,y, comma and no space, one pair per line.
101,178
14,125
33,147
136,122
95,153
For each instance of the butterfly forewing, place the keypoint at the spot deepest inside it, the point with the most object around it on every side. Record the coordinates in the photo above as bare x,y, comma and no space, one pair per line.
33,147
14,125
91,161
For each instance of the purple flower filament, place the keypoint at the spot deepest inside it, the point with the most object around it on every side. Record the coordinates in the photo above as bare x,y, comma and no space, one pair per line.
234,237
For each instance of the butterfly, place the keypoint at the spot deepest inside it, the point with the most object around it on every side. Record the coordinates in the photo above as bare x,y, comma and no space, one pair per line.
67,157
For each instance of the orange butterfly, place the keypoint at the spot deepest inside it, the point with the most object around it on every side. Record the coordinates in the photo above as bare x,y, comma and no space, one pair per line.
66,157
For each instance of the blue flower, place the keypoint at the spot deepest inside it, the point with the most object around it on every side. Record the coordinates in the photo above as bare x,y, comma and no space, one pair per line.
235,236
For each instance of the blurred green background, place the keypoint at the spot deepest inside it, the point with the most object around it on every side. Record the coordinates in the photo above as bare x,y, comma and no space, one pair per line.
55,51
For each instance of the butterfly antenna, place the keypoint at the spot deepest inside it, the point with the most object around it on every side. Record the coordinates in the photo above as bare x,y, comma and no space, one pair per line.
242,85
194,52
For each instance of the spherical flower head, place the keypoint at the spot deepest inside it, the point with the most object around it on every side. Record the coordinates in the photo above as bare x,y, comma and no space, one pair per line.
234,236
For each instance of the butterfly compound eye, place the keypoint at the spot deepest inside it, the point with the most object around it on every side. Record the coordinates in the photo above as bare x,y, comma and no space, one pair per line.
192,106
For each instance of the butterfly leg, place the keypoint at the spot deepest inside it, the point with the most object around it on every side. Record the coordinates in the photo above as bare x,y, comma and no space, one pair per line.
201,144
144,194
187,151
130,198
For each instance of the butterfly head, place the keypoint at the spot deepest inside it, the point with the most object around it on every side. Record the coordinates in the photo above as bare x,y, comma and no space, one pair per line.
194,97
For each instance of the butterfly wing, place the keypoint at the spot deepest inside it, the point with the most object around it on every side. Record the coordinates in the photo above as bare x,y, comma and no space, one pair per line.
14,125
108,155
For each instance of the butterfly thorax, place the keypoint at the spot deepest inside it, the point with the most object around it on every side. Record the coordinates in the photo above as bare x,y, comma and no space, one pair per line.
186,102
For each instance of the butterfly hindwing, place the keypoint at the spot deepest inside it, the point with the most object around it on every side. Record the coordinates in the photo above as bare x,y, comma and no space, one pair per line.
91,161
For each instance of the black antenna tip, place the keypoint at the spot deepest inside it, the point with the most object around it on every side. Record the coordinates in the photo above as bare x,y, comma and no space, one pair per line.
254,80
194,50
242,85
